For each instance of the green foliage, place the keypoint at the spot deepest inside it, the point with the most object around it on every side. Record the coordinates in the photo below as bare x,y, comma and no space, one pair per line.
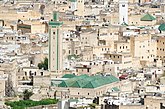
163,75
92,106
27,95
22,104
43,64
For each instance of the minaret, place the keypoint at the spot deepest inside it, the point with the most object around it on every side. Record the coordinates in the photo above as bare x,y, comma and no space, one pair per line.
123,11
73,5
55,44
162,6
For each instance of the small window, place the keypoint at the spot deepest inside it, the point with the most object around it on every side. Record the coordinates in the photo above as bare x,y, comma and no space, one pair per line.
88,70
42,73
54,33
123,5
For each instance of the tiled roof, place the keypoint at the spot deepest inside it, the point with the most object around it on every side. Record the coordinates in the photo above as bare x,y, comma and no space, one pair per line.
85,81
124,24
148,17
115,89
68,76
162,27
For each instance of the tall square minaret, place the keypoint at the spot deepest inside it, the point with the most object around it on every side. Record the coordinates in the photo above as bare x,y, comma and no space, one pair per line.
123,11
55,44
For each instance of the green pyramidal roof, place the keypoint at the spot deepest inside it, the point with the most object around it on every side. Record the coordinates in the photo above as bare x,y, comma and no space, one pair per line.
124,24
85,81
148,17
162,27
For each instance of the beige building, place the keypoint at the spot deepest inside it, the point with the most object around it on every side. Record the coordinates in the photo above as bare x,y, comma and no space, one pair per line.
122,46
86,86
149,103
80,8
161,48
122,58
88,37
143,47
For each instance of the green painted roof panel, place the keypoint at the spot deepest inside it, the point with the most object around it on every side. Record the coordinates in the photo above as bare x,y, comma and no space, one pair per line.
124,24
54,23
85,81
115,89
69,76
148,17
162,27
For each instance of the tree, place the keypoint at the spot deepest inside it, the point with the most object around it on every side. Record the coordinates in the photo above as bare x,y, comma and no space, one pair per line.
43,64
27,95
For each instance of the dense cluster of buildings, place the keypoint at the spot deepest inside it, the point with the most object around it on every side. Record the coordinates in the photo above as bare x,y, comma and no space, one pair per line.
107,53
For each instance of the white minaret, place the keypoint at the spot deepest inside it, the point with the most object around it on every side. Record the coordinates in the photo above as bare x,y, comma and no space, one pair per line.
73,5
123,11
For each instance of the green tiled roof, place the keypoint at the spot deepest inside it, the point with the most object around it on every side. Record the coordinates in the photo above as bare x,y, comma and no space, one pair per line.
24,26
73,100
54,23
68,76
70,82
141,27
124,24
115,89
162,27
85,81
148,17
